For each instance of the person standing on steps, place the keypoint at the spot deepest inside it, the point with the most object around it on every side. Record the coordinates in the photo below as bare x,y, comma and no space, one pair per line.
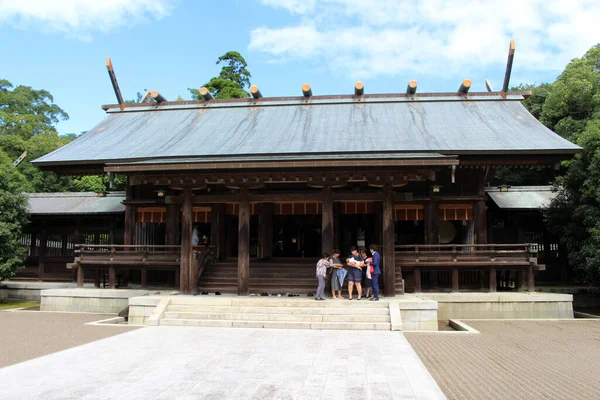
322,266
355,264
375,271
337,275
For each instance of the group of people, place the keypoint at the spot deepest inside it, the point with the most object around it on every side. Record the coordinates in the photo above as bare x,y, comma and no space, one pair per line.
360,269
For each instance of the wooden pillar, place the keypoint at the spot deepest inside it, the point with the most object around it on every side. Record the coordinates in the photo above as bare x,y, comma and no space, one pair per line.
244,243
129,229
265,226
186,243
432,222
492,279
172,224
417,272
144,278
530,279
455,280
522,284
111,277
80,276
222,250
480,222
97,278
327,221
389,264
42,254
76,240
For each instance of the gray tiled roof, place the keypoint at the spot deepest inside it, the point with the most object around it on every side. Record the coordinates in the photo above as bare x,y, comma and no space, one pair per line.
75,203
522,197
453,125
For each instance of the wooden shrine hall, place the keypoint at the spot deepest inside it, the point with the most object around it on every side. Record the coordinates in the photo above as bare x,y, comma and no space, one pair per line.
257,188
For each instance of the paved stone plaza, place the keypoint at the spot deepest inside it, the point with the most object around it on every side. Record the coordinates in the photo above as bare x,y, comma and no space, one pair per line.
223,363
515,360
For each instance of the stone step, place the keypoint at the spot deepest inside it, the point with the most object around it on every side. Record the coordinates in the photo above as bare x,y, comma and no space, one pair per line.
307,317
276,324
278,310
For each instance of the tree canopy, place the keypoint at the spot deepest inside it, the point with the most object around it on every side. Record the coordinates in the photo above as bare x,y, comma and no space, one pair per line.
572,109
233,81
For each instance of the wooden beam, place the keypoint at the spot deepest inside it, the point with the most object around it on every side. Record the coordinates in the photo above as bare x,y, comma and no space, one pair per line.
244,243
186,243
146,97
488,85
327,221
509,63
205,93
255,92
115,83
389,264
306,90
464,86
359,88
157,96
411,88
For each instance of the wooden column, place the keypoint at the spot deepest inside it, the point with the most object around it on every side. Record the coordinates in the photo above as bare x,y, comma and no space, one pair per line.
80,276
97,278
530,279
432,222
336,229
172,224
389,265
522,283
111,277
265,224
327,221
222,238
129,229
493,280
244,243
480,222
454,280
417,272
186,243
42,254
76,240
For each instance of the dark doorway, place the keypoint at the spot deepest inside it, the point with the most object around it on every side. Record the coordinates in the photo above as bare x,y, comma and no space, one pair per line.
297,235
356,230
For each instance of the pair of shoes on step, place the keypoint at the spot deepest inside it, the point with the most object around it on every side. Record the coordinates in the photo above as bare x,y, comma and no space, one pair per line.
320,299
374,298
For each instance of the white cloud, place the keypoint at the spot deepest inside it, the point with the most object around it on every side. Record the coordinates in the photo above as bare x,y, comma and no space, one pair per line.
389,37
81,18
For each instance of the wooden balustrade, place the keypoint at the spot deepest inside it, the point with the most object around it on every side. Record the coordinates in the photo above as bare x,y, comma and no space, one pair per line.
143,257
455,258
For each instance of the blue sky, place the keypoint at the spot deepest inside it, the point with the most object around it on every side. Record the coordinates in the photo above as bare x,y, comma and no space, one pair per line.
170,45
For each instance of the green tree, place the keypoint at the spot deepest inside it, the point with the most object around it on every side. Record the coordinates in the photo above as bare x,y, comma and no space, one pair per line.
572,109
26,112
233,81
13,216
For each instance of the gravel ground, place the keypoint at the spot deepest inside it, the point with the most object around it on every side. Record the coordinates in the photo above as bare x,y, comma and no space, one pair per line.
28,334
515,360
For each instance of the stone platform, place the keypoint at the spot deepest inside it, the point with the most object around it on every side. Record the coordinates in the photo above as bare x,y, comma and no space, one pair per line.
90,300
400,313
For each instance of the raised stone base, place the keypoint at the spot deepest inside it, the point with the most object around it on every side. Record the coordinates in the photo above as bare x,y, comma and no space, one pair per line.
502,305
107,301
23,290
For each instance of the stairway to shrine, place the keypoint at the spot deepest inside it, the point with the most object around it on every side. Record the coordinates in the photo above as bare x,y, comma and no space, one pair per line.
276,312
281,276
